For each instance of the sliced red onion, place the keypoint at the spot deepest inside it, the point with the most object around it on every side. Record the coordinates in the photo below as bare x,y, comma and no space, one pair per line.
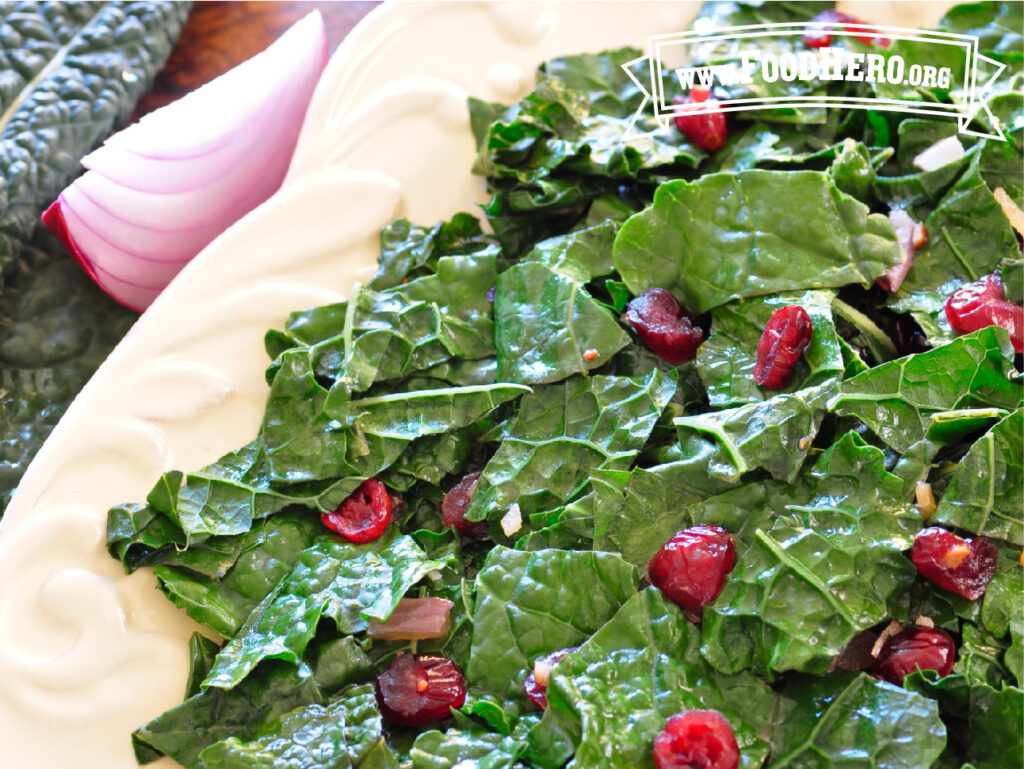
159,191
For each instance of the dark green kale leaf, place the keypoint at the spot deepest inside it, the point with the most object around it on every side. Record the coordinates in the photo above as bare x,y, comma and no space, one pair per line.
775,434
274,689
997,25
897,399
72,72
581,255
638,512
408,251
548,327
465,749
725,360
344,732
733,236
531,604
609,700
222,601
347,583
981,718
563,432
986,493
968,234
556,129
853,719
814,565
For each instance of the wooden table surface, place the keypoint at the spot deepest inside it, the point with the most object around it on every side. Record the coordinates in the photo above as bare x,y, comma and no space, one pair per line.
220,35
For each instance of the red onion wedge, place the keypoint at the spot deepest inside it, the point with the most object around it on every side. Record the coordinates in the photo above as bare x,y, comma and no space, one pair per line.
160,190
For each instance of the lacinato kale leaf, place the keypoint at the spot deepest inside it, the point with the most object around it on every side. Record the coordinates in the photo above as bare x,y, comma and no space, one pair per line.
733,236
986,493
531,604
564,431
726,359
897,399
609,700
850,719
347,583
72,71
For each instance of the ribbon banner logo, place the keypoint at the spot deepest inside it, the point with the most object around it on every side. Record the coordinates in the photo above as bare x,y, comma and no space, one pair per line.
901,65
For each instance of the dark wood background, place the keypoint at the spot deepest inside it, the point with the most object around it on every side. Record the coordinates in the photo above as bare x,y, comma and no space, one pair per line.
220,35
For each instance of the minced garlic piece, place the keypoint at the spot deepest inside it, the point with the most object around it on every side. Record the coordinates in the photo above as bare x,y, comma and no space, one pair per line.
925,499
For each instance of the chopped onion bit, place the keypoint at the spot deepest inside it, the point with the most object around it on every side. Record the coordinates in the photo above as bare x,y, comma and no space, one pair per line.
541,671
891,629
942,153
512,521
925,499
1013,213
415,619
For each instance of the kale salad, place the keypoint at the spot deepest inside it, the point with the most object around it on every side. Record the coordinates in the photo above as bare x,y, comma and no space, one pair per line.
705,453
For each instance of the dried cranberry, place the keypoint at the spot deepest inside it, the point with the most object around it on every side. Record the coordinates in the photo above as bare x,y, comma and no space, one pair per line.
664,326
537,691
706,129
697,739
454,504
914,648
962,566
364,514
983,303
417,688
820,34
690,568
784,340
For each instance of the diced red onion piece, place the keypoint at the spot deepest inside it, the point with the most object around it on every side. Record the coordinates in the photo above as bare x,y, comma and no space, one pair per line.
905,232
415,619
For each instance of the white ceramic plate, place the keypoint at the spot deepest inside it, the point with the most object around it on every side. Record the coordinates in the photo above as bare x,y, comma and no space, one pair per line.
86,653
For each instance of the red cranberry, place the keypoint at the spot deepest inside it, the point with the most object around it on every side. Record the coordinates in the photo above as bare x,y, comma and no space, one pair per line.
915,648
784,340
537,690
820,35
417,688
364,514
454,504
690,569
664,326
705,129
962,566
697,739
983,303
